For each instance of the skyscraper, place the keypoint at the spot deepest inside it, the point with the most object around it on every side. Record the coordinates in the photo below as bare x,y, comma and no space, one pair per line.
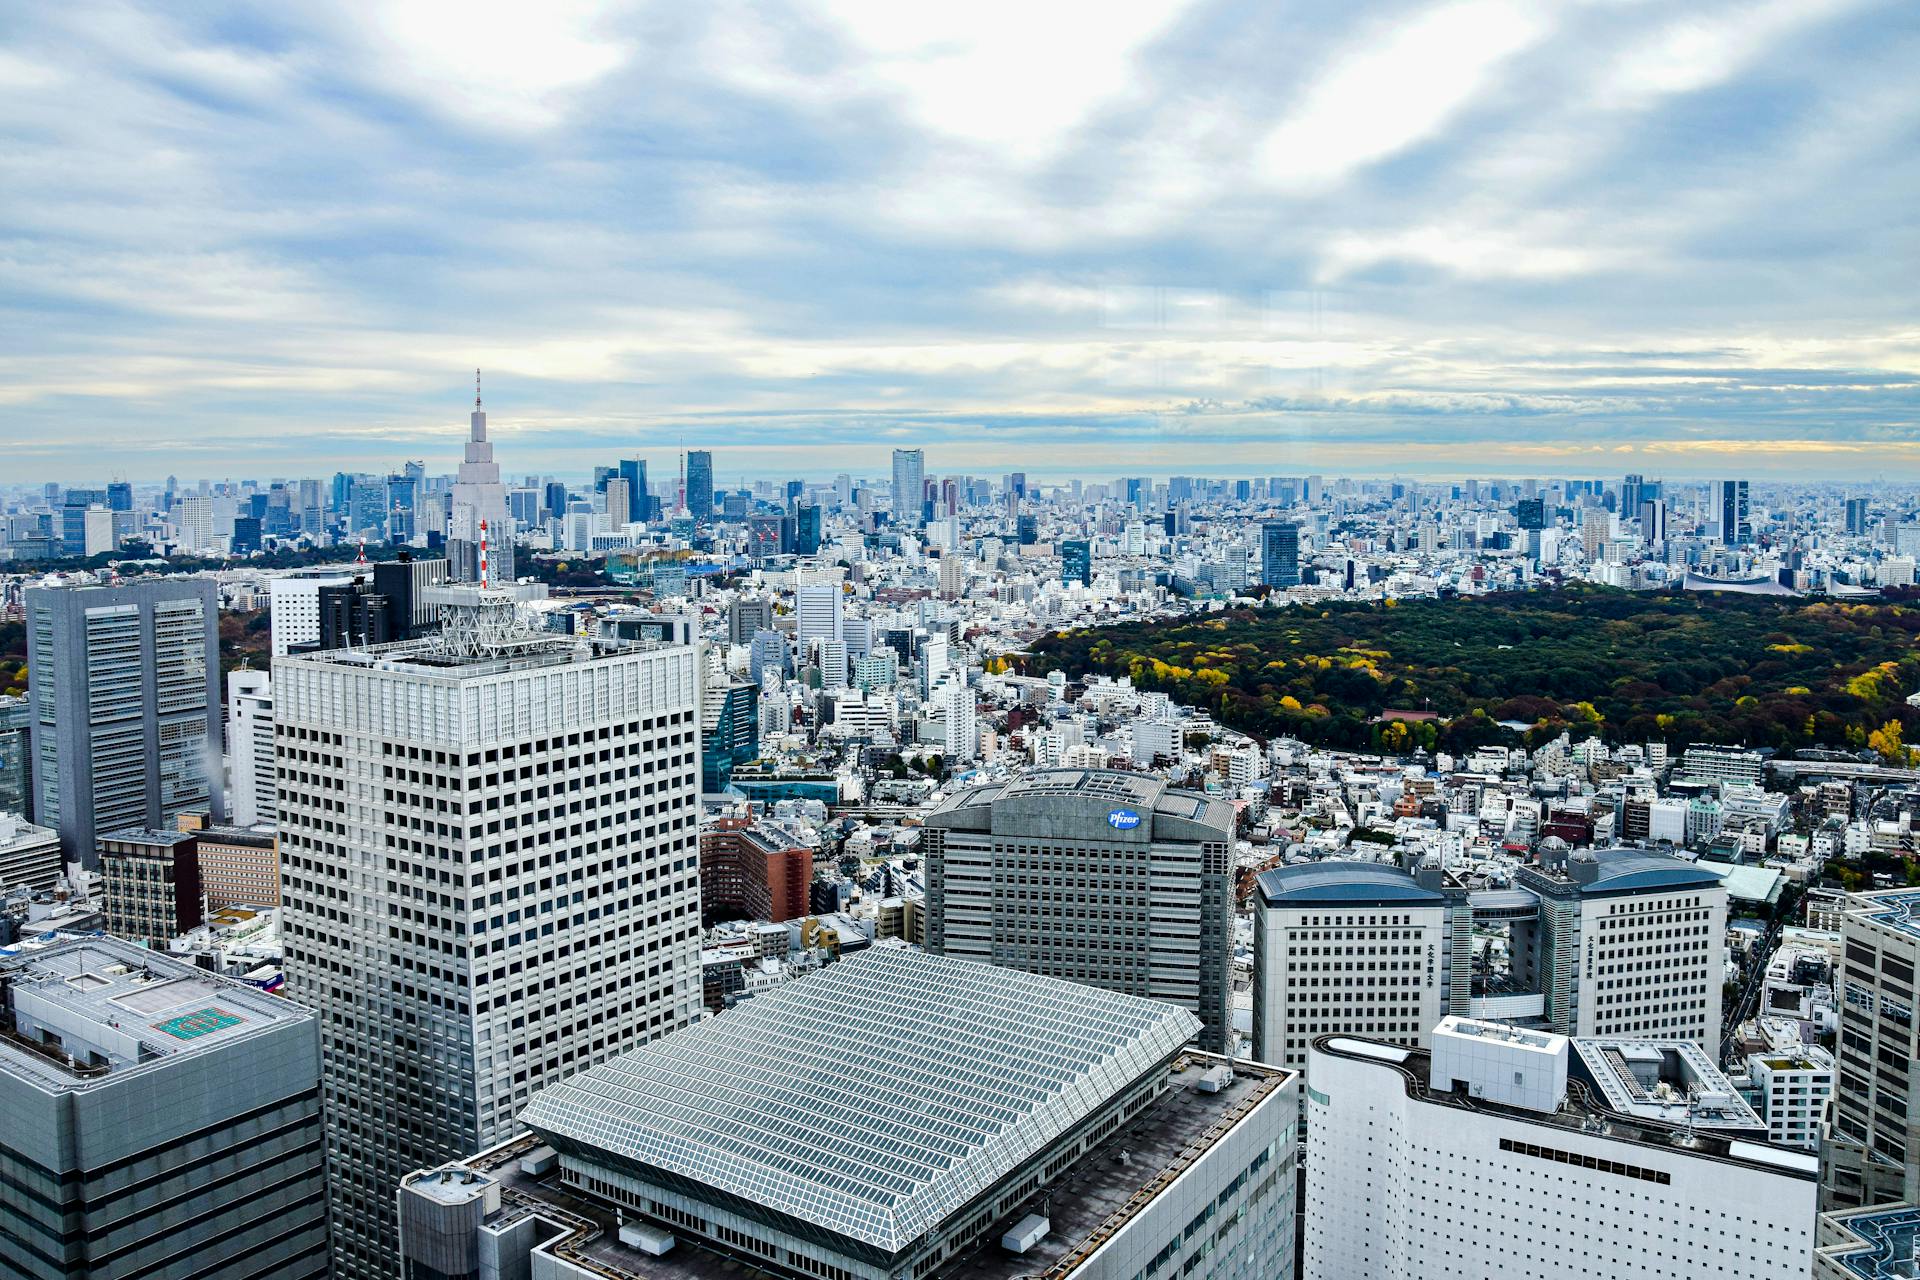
806,530
516,897
124,683
479,499
1872,1151
1112,879
1076,561
250,746
700,485
159,1121
1735,529
1280,553
909,485
639,500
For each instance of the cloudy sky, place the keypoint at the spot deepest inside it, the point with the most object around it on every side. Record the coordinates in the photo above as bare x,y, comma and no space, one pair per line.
1468,237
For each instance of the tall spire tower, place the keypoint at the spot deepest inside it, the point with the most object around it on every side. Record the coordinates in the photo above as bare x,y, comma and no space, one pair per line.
479,507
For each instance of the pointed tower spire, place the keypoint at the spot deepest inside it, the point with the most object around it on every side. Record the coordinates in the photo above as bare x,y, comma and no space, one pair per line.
476,390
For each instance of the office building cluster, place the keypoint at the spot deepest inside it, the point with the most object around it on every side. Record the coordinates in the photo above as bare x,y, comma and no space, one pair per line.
642,876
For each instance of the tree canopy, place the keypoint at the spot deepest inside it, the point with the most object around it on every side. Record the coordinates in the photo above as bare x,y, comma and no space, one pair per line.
1764,672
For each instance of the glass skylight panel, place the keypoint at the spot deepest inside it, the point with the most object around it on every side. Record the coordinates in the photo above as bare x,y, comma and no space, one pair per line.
874,1097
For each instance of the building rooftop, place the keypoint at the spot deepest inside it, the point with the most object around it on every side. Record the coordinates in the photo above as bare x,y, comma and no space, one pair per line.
160,838
1601,872
873,1099
1894,908
1138,806
1584,1109
1346,884
79,1014
1086,1204
1672,1081
1882,1242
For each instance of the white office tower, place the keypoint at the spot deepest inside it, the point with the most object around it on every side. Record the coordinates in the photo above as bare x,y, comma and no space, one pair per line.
909,485
952,702
1626,943
488,842
479,498
251,793
193,524
816,610
898,1115
1481,1158
1359,948
295,605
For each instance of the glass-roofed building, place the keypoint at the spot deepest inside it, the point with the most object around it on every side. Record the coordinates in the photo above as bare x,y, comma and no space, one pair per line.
897,1115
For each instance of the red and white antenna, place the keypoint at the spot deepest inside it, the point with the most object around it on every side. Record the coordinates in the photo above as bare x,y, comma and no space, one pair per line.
486,579
361,558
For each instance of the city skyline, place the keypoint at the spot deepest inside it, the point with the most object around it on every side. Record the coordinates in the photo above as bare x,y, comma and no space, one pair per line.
1420,239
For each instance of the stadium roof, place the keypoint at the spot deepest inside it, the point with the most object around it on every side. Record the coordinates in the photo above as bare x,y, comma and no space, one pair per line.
1344,883
874,1098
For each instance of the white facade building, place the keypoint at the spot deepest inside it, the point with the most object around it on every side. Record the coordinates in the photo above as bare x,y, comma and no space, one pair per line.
295,602
1358,948
1793,1089
250,773
1479,1160
490,878
1627,944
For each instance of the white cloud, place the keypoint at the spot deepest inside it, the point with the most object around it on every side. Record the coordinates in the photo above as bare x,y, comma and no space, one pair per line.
1398,86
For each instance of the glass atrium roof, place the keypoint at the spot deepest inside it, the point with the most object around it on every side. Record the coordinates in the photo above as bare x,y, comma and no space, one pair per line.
874,1098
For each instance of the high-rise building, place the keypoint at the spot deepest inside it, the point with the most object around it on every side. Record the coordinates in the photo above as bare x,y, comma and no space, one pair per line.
160,1121
1354,948
517,897
806,534
29,854
619,503
150,883
479,499
700,485
909,485
1076,562
125,687
1280,554
1626,942
817,616
639,504
239,866
953,702
1480,1157
746,616
1653,520
897,1114
16,756
729,725
1112,879
750,871
1735,528
294,605
250,746
1871,1153
1857,517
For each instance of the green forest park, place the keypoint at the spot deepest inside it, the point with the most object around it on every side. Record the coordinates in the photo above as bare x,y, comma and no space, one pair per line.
1629,667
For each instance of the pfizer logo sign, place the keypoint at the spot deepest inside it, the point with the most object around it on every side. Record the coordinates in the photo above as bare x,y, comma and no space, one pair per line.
1123,819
